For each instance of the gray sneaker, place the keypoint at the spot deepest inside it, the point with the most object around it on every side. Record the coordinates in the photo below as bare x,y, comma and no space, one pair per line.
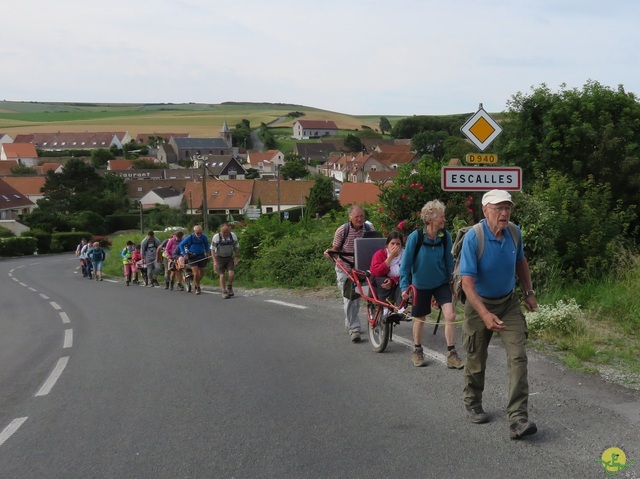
522,428
225,294
230,290
355,336
454,361
477,415
418,358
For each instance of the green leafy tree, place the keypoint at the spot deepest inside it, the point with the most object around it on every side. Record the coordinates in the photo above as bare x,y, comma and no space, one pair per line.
267,137
252,174
384,125
293,169
581,133
321,199
100,157
430,143
353,143
241,135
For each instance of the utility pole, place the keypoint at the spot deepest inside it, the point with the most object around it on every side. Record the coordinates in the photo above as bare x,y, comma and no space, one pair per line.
205,208
278,173
141,219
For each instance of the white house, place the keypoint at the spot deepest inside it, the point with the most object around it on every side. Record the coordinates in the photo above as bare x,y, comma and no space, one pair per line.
305,129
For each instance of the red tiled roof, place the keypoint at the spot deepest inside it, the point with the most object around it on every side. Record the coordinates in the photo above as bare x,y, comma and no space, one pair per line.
19,150
218,196
27,185
359,193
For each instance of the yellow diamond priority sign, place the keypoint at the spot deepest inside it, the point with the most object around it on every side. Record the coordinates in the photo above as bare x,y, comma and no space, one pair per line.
481,129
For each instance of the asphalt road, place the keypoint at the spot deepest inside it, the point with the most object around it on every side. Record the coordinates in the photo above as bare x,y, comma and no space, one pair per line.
100,380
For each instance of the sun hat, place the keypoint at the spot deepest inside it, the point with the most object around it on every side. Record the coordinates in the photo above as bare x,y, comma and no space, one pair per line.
494,197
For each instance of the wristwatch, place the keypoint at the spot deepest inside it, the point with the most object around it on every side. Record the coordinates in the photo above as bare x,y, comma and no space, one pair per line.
529,293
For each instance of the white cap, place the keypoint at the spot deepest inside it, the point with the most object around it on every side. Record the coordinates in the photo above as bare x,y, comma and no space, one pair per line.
494,197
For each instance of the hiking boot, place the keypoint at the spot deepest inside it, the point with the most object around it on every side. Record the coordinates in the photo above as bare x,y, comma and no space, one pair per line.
521,428
197,288
230,290
477,415
171,286
225,294
454,361
128,282
155,282
166,285
418,358
355,336
180,287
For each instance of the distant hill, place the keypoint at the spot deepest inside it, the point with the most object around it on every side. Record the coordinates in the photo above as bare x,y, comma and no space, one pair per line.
199,119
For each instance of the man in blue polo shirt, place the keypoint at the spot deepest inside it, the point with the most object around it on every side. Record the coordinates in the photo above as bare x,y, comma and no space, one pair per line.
492,305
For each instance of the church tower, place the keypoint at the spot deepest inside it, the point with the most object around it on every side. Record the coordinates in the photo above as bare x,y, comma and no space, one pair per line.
225,134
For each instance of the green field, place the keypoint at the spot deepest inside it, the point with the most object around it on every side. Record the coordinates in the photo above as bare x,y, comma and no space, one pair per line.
194,118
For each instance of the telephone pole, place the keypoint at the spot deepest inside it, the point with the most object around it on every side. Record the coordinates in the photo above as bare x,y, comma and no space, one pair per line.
205,208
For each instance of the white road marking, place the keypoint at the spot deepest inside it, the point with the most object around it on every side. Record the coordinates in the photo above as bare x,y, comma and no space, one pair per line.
282,303
68,338
10,273
65,318
55,305
44,296
23,284
16,280
13,426
33,289
53,377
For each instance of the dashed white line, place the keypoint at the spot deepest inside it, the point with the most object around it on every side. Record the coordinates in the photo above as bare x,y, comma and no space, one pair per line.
55,305
44,296
16,280
427,352
23,284
13,426
53,377
33,289
65,318
282,303
68,338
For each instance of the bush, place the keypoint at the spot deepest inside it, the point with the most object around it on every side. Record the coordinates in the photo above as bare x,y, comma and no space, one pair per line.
17,246
43,240
67,241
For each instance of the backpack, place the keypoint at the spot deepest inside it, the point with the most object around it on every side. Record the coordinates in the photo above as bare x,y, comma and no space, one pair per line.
457,293
224,247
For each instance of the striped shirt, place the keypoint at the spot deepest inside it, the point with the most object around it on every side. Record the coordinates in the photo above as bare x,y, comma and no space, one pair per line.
347,247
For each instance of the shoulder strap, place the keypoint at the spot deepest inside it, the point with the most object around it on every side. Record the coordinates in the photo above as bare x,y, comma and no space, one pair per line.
344,234
418,245
513,230
479,229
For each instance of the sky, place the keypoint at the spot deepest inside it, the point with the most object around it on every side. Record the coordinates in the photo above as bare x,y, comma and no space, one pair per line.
359,57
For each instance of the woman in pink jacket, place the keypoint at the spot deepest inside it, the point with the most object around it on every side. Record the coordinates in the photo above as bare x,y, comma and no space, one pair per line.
385,267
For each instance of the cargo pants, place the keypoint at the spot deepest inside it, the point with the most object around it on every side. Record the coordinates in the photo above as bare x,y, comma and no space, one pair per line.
476,343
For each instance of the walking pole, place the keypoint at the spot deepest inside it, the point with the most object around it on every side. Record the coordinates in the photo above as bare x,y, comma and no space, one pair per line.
435,328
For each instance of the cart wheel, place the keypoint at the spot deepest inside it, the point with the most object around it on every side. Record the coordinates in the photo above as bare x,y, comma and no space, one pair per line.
378,327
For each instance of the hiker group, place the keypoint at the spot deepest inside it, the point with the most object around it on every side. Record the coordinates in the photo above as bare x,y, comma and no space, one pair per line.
478,269
180,259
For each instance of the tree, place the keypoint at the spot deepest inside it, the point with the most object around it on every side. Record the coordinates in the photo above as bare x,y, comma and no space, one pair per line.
22,170
581,133
252,174
430,143
293,169
100,157
321,199
353,143
385,124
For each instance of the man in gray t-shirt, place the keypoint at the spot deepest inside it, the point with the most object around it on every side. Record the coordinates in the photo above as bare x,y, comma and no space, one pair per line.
148,249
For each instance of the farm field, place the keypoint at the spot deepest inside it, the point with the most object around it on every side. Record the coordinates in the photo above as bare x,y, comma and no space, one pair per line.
200,120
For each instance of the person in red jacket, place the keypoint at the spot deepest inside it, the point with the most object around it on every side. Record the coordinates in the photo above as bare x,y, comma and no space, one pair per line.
385,267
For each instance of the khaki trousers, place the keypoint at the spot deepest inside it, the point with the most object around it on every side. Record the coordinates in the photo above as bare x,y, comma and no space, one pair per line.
476,344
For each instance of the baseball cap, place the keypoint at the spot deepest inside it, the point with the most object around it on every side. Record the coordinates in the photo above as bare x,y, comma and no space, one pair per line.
494,197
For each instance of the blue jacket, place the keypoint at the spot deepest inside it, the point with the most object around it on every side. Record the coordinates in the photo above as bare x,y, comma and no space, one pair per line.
433,265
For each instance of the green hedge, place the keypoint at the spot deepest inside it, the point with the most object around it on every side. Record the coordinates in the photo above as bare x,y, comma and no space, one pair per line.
20,246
